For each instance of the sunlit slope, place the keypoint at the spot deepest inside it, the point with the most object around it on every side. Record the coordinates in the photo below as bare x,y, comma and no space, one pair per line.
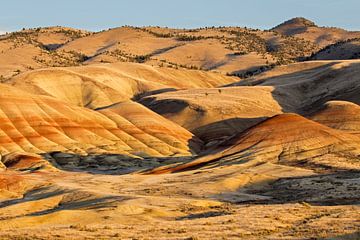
339,115
213,114
105,84
286,139
38,124
306,29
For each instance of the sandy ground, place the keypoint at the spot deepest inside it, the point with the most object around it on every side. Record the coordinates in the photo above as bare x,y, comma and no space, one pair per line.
267,201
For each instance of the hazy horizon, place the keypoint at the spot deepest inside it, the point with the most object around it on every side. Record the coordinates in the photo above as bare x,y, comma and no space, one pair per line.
96,16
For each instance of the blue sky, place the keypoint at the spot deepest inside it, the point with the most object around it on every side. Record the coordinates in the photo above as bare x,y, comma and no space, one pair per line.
103,14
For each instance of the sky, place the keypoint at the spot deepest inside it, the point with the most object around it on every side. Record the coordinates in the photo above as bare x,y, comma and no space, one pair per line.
96,15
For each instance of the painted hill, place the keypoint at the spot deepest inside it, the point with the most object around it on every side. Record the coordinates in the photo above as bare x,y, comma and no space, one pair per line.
101,85
340,115
280,140
40,124
92,125
308,85
214,114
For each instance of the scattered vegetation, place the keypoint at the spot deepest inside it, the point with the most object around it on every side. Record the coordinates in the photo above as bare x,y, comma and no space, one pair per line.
60,58
243,41
328,49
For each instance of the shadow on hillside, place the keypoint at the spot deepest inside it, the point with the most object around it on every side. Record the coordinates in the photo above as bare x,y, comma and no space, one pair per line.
343,50
208,214
112,164
71,199
168,106
216,132
107,202
139,96
34,195
306,91
350,236
331,189
269,81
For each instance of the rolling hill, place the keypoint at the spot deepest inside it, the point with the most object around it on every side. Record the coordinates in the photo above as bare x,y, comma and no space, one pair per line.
40,124
339,115
163,133
280,140
101,85
322,36
348,49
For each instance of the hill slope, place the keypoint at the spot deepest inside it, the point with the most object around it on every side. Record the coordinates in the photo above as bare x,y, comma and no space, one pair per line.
348,49
339,115
101,85
213,114
40,124
308,85
280,140
308,30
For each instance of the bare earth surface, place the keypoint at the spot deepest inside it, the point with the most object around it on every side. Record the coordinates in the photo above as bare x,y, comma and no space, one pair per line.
160,133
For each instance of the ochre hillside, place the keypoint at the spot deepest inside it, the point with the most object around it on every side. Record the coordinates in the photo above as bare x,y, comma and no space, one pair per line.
281,140
339,115
162,133
347,49
322,36
101,85
40,124
213,114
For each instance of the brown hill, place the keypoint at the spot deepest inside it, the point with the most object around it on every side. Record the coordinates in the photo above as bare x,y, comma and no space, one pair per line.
226,49
339,115
306,86
294,26
214,114
101,85
232,50
40,124
349,49
35,48
308,30
287,139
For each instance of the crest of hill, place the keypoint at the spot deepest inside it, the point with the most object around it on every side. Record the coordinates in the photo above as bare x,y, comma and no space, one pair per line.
35,48
280,140
322,36
293,26
339,115
225,49
101,85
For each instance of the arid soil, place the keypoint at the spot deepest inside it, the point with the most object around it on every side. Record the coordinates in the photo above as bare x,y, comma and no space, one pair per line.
160,133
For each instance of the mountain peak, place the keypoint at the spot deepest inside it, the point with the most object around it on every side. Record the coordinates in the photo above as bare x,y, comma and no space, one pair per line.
296,24
300,21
